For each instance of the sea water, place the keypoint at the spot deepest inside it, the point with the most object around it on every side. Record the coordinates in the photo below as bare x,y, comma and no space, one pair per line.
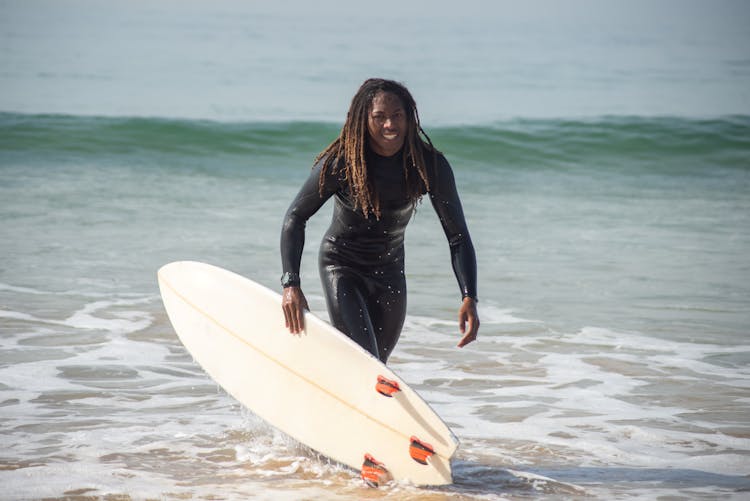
603,161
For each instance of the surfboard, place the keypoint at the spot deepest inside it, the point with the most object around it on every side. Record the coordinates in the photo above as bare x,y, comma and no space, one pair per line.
318,387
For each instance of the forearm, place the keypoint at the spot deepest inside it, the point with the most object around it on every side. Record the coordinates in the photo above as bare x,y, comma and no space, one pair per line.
292,244
305,204
464,261
447,205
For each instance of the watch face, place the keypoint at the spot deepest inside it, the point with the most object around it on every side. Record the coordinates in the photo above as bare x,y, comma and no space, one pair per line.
289,278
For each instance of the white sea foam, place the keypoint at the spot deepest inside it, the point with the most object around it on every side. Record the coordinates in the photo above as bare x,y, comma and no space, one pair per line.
22,290
125,321
590,404
569,402
90,292
491,314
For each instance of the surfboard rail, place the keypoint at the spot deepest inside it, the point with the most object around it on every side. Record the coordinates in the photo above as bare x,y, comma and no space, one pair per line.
235,330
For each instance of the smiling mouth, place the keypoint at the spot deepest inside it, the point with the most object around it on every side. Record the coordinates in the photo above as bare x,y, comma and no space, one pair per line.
391,136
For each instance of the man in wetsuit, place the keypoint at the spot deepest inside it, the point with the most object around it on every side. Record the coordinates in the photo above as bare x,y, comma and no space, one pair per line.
377,171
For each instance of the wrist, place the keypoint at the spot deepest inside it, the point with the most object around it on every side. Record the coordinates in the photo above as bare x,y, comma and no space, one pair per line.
290,279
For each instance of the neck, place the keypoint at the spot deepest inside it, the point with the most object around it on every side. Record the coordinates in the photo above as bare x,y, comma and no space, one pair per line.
384,153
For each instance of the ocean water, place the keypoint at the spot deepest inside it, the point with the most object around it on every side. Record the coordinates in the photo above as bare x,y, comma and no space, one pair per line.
602,153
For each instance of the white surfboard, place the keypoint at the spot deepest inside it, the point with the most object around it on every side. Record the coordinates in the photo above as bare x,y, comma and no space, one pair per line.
318,387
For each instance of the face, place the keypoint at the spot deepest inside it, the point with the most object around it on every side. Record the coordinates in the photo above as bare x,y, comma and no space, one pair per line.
386,124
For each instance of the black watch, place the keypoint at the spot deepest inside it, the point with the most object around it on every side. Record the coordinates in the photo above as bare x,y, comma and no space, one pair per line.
290,279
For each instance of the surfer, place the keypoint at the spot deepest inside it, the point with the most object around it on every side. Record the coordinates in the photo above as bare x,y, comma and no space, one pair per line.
377,170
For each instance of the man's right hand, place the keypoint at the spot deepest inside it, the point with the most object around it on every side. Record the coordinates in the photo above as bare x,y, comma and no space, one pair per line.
294,304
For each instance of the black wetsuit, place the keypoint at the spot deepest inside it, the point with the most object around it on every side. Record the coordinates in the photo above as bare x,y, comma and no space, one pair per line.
361,259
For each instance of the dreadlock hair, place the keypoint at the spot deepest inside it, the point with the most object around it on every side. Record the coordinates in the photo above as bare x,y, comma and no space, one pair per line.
347,152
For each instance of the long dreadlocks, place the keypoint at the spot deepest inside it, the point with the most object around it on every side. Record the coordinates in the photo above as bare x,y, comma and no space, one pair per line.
347,152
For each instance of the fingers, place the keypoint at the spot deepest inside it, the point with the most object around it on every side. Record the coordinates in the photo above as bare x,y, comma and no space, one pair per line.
468,322
296,319
470,335
286,316
292,319
299,318
294,304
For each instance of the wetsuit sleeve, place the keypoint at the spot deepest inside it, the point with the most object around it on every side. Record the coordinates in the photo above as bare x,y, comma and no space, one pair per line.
305,204
445,200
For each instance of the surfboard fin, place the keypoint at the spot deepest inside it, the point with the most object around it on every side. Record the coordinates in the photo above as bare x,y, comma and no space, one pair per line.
420,451
374,473
386,387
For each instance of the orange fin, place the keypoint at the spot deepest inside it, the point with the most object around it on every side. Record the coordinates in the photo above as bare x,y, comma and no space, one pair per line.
420,451
386,387
374,472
